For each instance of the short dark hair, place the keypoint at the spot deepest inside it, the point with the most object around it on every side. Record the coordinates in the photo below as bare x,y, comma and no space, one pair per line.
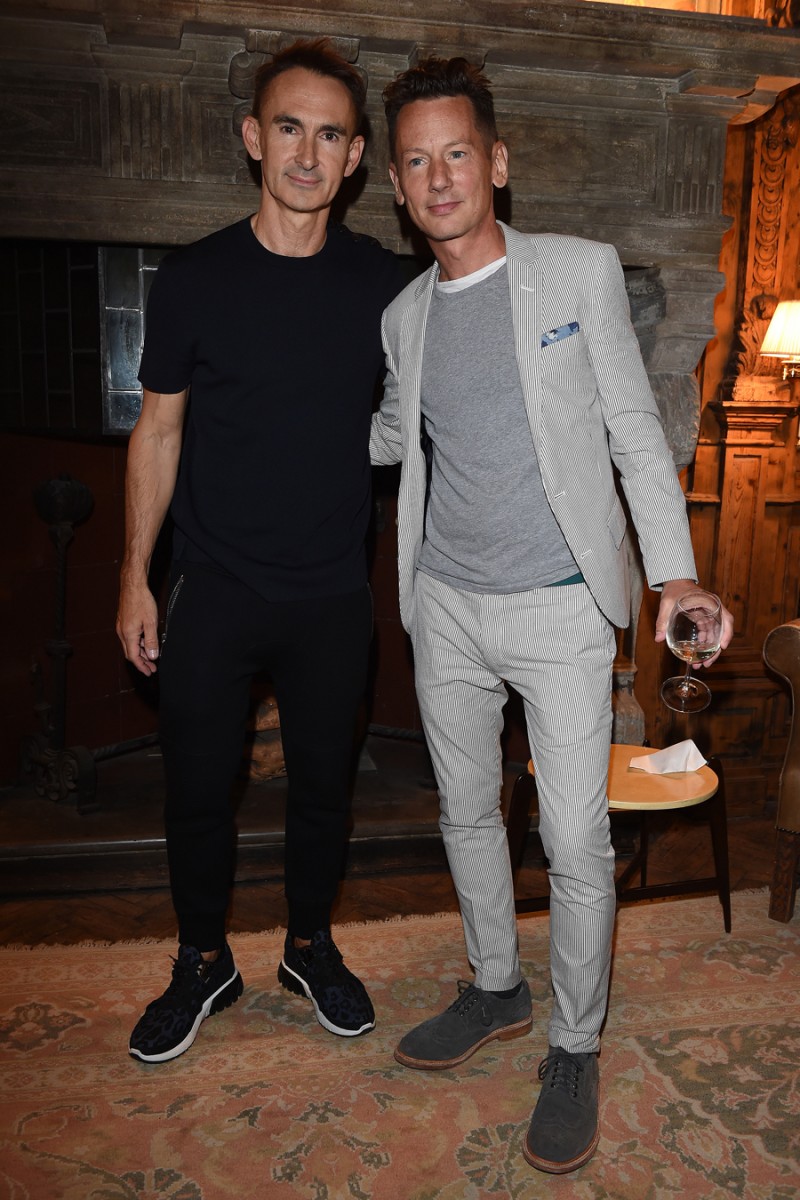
436,78
317,56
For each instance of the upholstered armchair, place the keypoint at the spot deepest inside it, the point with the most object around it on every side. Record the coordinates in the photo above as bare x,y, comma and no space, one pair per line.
782,654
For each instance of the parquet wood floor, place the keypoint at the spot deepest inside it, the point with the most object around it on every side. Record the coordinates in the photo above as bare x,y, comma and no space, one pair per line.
680,847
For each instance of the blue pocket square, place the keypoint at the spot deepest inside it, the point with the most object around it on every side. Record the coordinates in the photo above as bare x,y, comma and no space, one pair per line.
555,335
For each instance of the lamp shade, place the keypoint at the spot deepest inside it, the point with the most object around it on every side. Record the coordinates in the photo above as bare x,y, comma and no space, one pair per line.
783,333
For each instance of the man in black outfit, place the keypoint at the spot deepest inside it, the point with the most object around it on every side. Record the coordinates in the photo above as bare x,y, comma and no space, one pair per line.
261,356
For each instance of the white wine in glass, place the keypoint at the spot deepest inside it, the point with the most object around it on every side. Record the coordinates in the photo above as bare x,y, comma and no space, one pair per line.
693,634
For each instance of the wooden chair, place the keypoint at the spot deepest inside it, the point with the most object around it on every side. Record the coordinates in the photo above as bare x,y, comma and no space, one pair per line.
630,789
782,654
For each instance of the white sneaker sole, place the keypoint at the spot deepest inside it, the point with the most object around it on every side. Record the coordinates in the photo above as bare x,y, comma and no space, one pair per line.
181,1047
323,1020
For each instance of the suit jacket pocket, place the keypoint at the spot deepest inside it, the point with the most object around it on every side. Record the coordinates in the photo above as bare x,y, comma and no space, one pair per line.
567,373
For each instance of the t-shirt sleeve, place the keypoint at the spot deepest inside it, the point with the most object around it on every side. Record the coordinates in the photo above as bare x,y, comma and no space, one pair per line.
168,353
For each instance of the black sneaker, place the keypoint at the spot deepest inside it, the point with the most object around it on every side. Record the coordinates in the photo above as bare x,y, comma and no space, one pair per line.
564,1129
169,1025
475,1018
317,971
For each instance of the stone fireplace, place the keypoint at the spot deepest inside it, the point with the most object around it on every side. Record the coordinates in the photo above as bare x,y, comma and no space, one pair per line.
121,128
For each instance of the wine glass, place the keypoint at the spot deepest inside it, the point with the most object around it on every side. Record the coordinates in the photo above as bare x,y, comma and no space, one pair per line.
693,633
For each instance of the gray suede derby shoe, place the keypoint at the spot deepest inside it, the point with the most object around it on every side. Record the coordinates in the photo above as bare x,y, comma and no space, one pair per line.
564,1129
475,1018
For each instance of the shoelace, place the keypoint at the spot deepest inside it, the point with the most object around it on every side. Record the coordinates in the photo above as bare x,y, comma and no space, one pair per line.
327,965
185,977
566,1071
468,997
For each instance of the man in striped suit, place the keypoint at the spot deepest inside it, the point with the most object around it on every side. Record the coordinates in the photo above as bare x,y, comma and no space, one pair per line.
514,382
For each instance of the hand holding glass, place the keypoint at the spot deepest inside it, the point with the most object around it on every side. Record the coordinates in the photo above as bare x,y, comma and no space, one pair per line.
693,634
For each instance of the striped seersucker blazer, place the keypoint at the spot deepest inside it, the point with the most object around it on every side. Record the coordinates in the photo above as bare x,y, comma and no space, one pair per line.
589,405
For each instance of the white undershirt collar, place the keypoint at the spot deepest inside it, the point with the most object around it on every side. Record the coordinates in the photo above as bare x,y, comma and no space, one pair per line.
458,285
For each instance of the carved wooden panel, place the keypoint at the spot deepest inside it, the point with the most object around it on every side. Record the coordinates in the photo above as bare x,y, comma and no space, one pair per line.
770,262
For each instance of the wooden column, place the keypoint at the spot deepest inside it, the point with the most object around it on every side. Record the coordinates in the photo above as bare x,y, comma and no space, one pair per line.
756,564
744,488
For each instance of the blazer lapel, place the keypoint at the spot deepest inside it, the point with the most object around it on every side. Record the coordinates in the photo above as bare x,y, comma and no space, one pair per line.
525,284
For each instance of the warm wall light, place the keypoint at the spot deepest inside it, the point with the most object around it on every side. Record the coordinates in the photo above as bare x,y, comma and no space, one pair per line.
783,337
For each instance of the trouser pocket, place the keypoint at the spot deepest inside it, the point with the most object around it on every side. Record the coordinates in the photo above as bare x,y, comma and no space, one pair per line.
173,599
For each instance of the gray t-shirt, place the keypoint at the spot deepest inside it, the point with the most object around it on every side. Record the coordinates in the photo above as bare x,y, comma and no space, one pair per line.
488,527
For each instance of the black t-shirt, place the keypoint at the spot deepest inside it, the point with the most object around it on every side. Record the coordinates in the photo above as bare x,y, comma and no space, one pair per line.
282,356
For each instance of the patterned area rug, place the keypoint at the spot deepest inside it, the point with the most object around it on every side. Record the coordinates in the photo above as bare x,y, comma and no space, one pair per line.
700,1074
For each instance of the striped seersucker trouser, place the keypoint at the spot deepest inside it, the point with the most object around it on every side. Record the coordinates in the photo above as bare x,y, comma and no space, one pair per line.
555,647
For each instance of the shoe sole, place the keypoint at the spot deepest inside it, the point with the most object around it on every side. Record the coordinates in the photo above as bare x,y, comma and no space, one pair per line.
561,1168
297,985
223,998
506,1034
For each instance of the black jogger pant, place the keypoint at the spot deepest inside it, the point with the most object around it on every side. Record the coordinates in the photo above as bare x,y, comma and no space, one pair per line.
218,635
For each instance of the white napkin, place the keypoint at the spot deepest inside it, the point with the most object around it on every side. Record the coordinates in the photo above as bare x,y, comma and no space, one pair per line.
683,756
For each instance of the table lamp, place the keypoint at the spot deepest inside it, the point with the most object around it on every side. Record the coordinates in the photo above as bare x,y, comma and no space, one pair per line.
782,339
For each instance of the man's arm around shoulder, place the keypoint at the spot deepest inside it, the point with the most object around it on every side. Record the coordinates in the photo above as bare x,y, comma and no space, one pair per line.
153,455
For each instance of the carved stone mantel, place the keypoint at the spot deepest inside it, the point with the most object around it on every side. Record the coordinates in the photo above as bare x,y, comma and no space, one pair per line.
121,125
616,118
